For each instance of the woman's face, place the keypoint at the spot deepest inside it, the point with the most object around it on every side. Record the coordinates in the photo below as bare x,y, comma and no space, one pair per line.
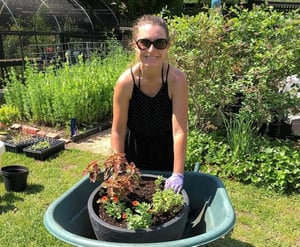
151,56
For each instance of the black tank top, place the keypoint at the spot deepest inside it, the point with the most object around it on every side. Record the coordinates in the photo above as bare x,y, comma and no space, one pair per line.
149,139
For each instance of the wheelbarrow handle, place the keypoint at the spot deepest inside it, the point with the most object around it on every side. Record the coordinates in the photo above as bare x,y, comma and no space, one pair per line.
197,167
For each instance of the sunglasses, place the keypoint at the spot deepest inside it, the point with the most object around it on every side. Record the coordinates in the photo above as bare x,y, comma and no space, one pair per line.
159,44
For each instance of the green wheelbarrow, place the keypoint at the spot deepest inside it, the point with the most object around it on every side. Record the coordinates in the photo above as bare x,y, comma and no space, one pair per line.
211,214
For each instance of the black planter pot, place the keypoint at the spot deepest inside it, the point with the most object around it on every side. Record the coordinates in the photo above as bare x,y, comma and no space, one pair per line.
171,230
15,177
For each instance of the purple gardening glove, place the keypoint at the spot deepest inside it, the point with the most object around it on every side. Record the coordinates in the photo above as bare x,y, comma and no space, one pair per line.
175,182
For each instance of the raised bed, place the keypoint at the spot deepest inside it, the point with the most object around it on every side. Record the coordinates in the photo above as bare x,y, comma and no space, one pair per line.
85,134
93,130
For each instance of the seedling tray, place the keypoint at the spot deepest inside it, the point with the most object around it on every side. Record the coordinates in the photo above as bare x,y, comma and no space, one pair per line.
18,148
55,146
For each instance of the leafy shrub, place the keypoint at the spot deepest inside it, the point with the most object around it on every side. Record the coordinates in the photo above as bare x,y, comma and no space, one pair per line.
8,114
245,53
132,9
273,164
198,49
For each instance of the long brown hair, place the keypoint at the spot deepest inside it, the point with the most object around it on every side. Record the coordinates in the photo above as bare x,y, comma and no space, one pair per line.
149,19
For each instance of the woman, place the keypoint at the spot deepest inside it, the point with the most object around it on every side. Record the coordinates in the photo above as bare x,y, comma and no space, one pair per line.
150,105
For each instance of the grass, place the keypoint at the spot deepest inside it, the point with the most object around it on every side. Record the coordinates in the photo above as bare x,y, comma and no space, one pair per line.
21,214
263,218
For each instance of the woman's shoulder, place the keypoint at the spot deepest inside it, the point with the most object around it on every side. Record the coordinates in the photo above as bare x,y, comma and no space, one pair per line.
127,76
176,76
124,84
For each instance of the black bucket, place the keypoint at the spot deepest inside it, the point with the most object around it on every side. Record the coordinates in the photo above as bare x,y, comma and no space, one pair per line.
15,177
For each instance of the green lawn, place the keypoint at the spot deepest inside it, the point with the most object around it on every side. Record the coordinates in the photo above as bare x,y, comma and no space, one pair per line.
263,218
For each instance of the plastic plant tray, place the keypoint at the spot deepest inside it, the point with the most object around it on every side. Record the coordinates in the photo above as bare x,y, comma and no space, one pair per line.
55,146
67,217
18,148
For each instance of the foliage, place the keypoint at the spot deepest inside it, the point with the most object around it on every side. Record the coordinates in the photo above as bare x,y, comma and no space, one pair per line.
83,91
270,163
40,145
266,48
132,9
245,53
120,179
198,49
8,114
140,218
166,201
206,149
240,133
18,137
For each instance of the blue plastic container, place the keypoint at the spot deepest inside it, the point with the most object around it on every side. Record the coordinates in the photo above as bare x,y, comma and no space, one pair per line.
67,217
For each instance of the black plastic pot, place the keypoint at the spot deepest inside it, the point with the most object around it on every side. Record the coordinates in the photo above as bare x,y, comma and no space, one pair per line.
171,230
15,177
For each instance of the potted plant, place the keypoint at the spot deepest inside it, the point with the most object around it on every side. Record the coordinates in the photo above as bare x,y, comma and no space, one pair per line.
133,207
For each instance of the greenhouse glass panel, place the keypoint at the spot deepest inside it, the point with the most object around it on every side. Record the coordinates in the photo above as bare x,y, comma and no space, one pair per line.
44,15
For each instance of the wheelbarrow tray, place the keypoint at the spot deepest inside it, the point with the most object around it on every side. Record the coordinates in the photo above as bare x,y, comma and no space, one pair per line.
67,217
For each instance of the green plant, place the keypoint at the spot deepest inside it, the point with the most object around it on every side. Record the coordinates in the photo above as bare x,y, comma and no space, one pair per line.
132,9
244,52
40,145
240,130
82,91
8,114
120,179
19,137
273,164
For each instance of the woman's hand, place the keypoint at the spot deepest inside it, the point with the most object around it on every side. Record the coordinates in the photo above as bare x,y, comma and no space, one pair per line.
175,182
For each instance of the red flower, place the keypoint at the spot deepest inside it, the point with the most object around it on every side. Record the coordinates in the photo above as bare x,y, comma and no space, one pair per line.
135,203
115,199
124,216
104,198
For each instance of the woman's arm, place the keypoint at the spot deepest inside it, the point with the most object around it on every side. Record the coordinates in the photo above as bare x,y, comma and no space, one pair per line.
179,95
122,94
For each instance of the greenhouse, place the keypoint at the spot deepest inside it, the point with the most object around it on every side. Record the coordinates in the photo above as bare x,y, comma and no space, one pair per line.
44,29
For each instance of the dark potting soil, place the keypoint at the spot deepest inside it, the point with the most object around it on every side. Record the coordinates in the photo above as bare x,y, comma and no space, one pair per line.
143,193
